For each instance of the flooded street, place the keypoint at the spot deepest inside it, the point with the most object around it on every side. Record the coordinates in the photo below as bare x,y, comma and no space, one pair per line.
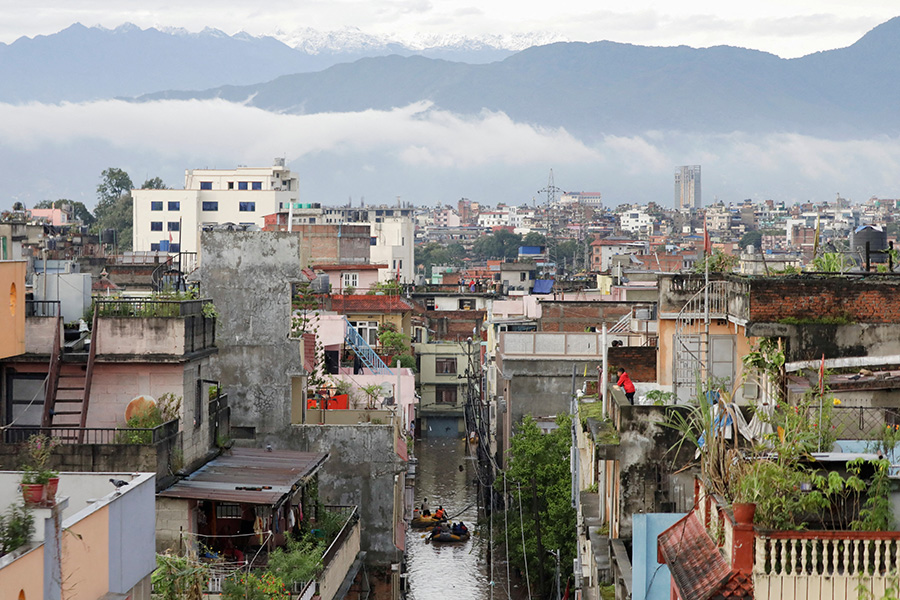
442,571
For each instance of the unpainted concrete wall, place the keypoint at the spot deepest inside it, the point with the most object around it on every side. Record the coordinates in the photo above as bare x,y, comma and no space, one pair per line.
361,471
248,276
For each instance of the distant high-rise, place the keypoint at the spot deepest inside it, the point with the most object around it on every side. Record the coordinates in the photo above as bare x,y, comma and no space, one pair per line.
687,187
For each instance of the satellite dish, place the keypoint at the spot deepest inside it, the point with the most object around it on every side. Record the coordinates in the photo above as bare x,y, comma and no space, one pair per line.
139,406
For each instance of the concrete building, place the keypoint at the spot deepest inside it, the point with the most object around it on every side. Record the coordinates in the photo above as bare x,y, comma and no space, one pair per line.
93,542
171,219
636,221
687,188
443,386
602,251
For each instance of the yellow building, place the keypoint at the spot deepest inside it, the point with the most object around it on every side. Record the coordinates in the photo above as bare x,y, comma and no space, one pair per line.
12,317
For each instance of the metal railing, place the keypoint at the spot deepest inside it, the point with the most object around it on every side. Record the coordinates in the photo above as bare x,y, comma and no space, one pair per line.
149,307
860,422
96,435
42,308
352,516
364,351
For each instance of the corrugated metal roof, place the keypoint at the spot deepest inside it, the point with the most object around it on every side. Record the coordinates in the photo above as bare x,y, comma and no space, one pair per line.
248,475
697,566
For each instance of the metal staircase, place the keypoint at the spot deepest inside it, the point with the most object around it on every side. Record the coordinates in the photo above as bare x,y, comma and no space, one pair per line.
623,325
68,389
363,350
691,340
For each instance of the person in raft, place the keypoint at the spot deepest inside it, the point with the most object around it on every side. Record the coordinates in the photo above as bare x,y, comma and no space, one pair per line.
626,384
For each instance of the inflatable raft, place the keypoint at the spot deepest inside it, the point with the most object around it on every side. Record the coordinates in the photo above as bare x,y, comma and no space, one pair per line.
420,522
450,538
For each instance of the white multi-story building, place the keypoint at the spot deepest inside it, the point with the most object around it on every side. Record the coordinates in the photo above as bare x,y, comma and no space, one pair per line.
494,218
171,219
687,188
637,221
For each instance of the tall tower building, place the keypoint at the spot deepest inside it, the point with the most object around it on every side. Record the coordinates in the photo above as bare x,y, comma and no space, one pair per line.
687,187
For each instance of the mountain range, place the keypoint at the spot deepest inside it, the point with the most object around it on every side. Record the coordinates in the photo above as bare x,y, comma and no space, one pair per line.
602,88
590,89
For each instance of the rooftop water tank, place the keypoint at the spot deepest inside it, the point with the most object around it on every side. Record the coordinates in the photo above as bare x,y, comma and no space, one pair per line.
877,238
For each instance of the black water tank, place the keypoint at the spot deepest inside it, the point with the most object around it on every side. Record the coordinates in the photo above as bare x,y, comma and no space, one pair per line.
877,238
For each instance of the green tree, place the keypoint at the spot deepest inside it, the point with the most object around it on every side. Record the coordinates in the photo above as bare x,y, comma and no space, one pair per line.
751,238
79,210
114,205
533,238
500,245
541,461
439,254
154,184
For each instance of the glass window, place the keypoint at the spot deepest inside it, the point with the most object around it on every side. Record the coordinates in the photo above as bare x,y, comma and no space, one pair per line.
373,241
445,366
156,206
211,206
242,185
230,185
174,247
257,185
173,225
247,206
206,185
351,280
445,394
154,247
155,225
174,205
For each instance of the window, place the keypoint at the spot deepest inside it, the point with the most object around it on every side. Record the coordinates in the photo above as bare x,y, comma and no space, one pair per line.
211,206
247,206
156,206
154,247
522,276
445,394
351,280
206,185
230,185
155,225
429,303
445,366
368,330
373,241
227,510
242,185
174,205
257,185
174,247
173,225
467,304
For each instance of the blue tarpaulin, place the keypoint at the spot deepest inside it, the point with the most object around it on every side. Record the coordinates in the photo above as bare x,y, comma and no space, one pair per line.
543,286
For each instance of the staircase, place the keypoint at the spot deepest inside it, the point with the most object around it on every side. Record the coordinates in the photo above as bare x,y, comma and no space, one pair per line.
691,340
69,387
363,350
623,325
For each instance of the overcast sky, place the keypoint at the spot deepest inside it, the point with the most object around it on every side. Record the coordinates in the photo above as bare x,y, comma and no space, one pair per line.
785,27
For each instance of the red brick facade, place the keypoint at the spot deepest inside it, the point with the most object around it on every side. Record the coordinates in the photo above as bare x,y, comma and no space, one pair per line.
866,301
578,316
638,361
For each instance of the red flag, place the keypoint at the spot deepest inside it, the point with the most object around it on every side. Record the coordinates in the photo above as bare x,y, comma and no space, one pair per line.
707,244
170,237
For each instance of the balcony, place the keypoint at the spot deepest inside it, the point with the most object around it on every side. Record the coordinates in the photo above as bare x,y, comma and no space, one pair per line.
151,326
103,449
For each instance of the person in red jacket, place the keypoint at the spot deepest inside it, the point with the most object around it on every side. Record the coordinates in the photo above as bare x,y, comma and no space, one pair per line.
625,383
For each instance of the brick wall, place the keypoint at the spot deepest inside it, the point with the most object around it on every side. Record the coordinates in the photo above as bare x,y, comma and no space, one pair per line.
454,325
577,316
638,361
870,301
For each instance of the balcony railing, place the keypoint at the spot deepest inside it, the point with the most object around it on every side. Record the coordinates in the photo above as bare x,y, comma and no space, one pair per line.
861,422
96,435
825,564
42,308
149,307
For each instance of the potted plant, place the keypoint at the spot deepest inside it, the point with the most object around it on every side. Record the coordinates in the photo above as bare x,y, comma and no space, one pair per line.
39,448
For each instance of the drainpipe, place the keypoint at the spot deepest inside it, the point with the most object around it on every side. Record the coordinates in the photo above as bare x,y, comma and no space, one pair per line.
603,377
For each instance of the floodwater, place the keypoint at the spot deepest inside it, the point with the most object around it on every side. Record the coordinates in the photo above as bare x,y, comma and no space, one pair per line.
444,571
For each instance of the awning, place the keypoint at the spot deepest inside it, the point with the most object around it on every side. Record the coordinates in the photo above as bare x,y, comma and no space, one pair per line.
249,476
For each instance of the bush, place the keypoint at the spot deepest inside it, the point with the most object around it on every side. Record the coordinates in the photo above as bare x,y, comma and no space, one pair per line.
16,528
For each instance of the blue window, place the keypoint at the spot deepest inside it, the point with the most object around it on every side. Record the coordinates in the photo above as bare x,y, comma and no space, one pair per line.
174,205
206,185
155,225
156,206
173,225
174,247
247,206
257,185
373,241
211,206
154,247
242,185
